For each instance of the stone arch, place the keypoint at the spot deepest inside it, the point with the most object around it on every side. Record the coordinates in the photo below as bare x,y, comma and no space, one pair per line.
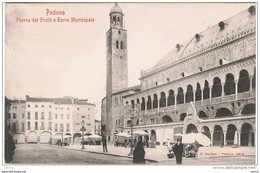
155,101
206,90
202,114
218,136
171,98
146,137
223,112
166,119
247,135
32,137
230,86
189,94
149,102
244,81
180,96
45,137
216,88
248,109
191,128
206,131
230,136
19,138
198,93
162,100
182,116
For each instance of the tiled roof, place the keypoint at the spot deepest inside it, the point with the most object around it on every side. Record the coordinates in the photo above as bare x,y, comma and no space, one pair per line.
65,100
241,22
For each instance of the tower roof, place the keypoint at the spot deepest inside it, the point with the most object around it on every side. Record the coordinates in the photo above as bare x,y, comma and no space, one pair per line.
116,9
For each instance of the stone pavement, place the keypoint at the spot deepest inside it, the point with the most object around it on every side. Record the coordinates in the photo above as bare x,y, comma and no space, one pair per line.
158,154
153,154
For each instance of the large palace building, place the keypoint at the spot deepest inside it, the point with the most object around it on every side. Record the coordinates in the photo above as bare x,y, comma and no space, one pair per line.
203,85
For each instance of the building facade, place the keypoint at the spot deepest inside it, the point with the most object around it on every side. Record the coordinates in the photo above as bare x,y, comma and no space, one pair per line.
205,84
39,120
98,127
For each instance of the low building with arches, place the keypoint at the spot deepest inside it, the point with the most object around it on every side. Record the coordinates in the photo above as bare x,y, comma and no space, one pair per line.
203,85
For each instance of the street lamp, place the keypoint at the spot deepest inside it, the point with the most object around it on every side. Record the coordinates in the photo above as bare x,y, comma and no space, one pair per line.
83,129
130,111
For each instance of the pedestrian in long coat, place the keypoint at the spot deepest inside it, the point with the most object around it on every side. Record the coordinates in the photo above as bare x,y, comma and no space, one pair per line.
139,154
178,149
104,143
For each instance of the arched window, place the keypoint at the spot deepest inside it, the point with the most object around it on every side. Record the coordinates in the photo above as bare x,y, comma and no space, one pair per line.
180,96
121,45
155,101
202,114
198,93
143,104
117,44
206,90
133,104
220,62
182,116
114,19
200,68
189,94
162,100
149,103
166,119
244,82
171,98
217,88
230,85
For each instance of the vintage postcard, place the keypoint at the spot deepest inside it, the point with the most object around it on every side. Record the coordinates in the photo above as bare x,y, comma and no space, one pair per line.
123,83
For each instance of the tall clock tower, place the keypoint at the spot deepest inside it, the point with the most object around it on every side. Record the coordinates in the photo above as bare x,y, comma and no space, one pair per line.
116,61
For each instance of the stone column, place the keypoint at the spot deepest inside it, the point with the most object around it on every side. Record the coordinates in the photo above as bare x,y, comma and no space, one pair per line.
151,103
251,82
250,139
166,101
236,88
211,137
194,96
202,89
239,137
225,137
210,93
175,101
158,107
145,107
223,92
184,98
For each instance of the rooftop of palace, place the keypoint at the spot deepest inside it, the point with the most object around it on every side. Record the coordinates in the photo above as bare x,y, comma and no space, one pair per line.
225,31
61,100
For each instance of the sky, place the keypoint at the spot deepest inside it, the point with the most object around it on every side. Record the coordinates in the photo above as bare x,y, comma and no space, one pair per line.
57,59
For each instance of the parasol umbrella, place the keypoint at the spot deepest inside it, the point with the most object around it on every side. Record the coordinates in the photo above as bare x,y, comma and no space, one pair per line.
199,137
178,134
94,136
140,132
123,134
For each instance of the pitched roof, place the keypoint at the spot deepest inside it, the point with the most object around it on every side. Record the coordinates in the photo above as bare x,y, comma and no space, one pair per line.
242,22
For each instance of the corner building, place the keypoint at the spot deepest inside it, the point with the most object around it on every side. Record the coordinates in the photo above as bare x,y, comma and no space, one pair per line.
41,120
205,84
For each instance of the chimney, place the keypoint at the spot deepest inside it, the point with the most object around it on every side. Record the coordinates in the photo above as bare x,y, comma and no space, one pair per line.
178,47
251,10
221,25
197,36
